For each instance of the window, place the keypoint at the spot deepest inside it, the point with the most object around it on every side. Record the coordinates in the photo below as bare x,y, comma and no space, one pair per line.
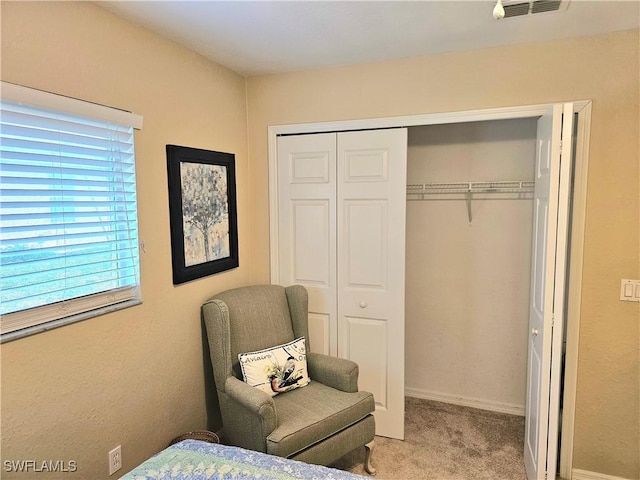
68,215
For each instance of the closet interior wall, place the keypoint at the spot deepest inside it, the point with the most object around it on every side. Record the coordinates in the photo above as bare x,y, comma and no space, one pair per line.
467,283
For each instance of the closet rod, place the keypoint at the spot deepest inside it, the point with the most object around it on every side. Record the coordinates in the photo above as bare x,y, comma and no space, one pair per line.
469,188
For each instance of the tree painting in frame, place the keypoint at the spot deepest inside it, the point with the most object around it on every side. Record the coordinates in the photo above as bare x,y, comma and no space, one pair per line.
202,211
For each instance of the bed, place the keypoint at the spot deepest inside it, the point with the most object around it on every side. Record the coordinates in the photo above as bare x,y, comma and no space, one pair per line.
198,460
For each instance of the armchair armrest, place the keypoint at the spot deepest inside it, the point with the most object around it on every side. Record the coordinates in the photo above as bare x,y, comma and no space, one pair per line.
251,414
338,373
251,398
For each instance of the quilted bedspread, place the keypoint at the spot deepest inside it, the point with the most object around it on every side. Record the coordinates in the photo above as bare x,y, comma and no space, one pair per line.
196,460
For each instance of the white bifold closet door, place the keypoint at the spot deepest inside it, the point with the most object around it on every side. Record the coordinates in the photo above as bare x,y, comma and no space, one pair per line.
307,230
548,276
341,234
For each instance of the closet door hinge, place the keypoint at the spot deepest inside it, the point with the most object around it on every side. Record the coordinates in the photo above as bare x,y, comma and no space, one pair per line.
560,147
553,319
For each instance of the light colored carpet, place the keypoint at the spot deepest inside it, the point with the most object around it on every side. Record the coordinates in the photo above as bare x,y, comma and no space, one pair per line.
448,442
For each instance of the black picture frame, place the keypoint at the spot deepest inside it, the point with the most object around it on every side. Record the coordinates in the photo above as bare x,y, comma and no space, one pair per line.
202,212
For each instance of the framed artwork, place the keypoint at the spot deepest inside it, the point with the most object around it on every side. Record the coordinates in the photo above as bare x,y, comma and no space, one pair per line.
202,212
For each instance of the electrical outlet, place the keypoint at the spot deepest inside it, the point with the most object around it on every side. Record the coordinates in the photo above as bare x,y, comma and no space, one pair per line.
115,460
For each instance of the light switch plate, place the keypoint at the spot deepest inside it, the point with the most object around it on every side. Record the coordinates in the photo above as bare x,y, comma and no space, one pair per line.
630,290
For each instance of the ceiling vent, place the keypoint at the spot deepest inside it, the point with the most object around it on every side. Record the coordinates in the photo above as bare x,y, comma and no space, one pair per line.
518,8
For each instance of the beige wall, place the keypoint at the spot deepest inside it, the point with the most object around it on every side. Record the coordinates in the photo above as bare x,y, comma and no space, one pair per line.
133,378
604,69
467,283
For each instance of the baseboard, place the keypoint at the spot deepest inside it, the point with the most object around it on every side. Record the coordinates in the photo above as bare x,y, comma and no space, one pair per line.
501,407
577,474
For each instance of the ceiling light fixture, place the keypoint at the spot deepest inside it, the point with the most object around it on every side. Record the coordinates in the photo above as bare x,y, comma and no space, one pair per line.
498,10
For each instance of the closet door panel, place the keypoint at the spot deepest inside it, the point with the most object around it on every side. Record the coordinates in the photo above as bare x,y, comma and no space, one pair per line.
371,174
307,229
311,232
371,356
368,165
319,333
310,167
544,234
548,276
365,224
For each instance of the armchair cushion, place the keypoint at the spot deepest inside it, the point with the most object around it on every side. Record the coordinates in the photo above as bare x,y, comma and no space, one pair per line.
312,414
277,369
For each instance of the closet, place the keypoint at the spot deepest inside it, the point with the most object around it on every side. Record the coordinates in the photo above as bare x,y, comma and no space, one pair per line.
485,196
468,262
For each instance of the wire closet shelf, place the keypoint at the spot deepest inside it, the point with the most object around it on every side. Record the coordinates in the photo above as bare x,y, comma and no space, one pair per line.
423,191
470,187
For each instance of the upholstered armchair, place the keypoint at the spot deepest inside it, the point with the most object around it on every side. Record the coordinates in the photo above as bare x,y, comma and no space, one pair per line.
317,423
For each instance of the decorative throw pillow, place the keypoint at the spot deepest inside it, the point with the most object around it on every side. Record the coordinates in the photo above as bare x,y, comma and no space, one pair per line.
277,369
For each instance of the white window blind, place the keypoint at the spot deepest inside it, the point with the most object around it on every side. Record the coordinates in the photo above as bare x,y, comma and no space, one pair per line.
68,216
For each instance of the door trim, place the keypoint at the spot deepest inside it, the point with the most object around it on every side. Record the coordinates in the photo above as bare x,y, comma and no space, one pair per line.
583,109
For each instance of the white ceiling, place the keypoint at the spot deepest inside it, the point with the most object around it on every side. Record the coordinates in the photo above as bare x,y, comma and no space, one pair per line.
258,37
